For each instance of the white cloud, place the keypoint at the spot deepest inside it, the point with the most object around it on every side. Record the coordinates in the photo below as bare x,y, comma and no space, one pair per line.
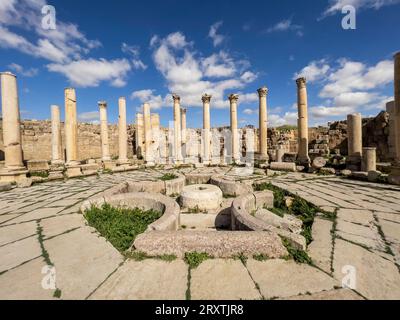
315,70
213,34
326,112
289,118
31,72
286,25
134,51
89,73
250,112
336,6
155,101
90,117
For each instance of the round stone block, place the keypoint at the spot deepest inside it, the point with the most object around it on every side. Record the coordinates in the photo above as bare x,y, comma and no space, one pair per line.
201,196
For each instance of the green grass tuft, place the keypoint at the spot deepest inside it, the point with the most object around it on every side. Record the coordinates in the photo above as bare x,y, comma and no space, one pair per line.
194,259
168,177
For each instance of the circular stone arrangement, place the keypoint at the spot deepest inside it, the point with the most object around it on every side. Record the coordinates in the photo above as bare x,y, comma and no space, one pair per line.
202,197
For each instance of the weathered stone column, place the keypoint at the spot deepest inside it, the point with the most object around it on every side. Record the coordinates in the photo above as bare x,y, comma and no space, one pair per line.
354,136
397,103
234,98
105,147
369,160
14,169
302,102
122,132
71,127
206,157
148,137
56,146
183,124
177,129
139,134
263,127
280,154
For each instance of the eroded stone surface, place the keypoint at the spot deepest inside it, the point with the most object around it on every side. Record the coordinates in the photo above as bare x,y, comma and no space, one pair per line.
320,250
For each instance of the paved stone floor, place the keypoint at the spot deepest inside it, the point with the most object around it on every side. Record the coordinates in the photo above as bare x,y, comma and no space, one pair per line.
41,226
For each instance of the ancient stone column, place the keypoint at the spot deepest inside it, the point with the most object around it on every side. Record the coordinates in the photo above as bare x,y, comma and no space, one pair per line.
122,132
14,168
263,140
369,160
234,98
302,102
139,136
148,137
183,124
280,154
177,129
206,157
71,127
105,147
354,136
397,103
56,146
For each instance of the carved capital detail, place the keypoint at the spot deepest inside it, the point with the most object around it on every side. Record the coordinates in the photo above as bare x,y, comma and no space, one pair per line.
262,92
301,82
206,98
176,97
233,98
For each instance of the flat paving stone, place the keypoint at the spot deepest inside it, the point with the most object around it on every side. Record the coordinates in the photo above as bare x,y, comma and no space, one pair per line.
16,253
331,295
83,260
280,278
150,279
219,279
63,223
391,230
16,232
25,282
37,214
376,277
320,250
362,216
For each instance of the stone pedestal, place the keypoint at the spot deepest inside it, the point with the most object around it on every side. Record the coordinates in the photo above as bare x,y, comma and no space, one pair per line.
206,136
263,125
303,158
354,134
233,99
14,169
280,153
105,148
122,133
368,160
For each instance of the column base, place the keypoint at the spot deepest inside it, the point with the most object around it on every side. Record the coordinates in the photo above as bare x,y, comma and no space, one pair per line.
122,162
73,171
303,161
108,164
13,175
394,176
57,163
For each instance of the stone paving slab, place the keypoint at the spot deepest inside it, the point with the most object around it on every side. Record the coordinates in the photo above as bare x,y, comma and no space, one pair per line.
222,280
25,282
376,277
36,214
362,216
145,280
280,278
320,250
332,295
63,223
16,232
83,260
16,253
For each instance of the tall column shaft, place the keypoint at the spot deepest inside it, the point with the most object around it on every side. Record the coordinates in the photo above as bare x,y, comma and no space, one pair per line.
177,128
302,102
105,147
234,98
354,132
148,137
183,124
71,127
206,157
11,122
397,102
56,146
122,132
263,126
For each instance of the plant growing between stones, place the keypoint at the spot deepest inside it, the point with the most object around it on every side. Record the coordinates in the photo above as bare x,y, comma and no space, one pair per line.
194,259
299,256
168,177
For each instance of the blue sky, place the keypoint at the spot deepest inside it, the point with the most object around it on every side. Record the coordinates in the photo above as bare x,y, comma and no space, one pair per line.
145,50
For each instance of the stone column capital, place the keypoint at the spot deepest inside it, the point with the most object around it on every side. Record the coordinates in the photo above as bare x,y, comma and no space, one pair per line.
262,92
206,98
176,97
102,104
8,73
183,110
301,82
122,99
397,55
233,98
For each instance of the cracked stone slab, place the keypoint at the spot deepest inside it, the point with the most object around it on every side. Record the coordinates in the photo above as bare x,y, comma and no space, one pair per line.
37,214
320,250
14,254
335,295
25,282
280,278
391,230
83,260
362,216
150,279
219,279
58,225
376,277
16,232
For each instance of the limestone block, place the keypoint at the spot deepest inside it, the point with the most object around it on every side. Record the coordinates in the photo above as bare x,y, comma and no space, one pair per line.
283,166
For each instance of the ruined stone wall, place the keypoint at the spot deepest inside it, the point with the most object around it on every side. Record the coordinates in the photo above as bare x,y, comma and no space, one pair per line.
36,140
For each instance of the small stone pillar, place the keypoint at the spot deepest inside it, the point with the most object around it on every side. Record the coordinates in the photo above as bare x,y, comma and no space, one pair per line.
148,137
177,130
280,154
56,146
354,136
71,128
183,124
206,157
139,136
14,169
105,147
263,140
302,102
369,160
233,99
122,133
